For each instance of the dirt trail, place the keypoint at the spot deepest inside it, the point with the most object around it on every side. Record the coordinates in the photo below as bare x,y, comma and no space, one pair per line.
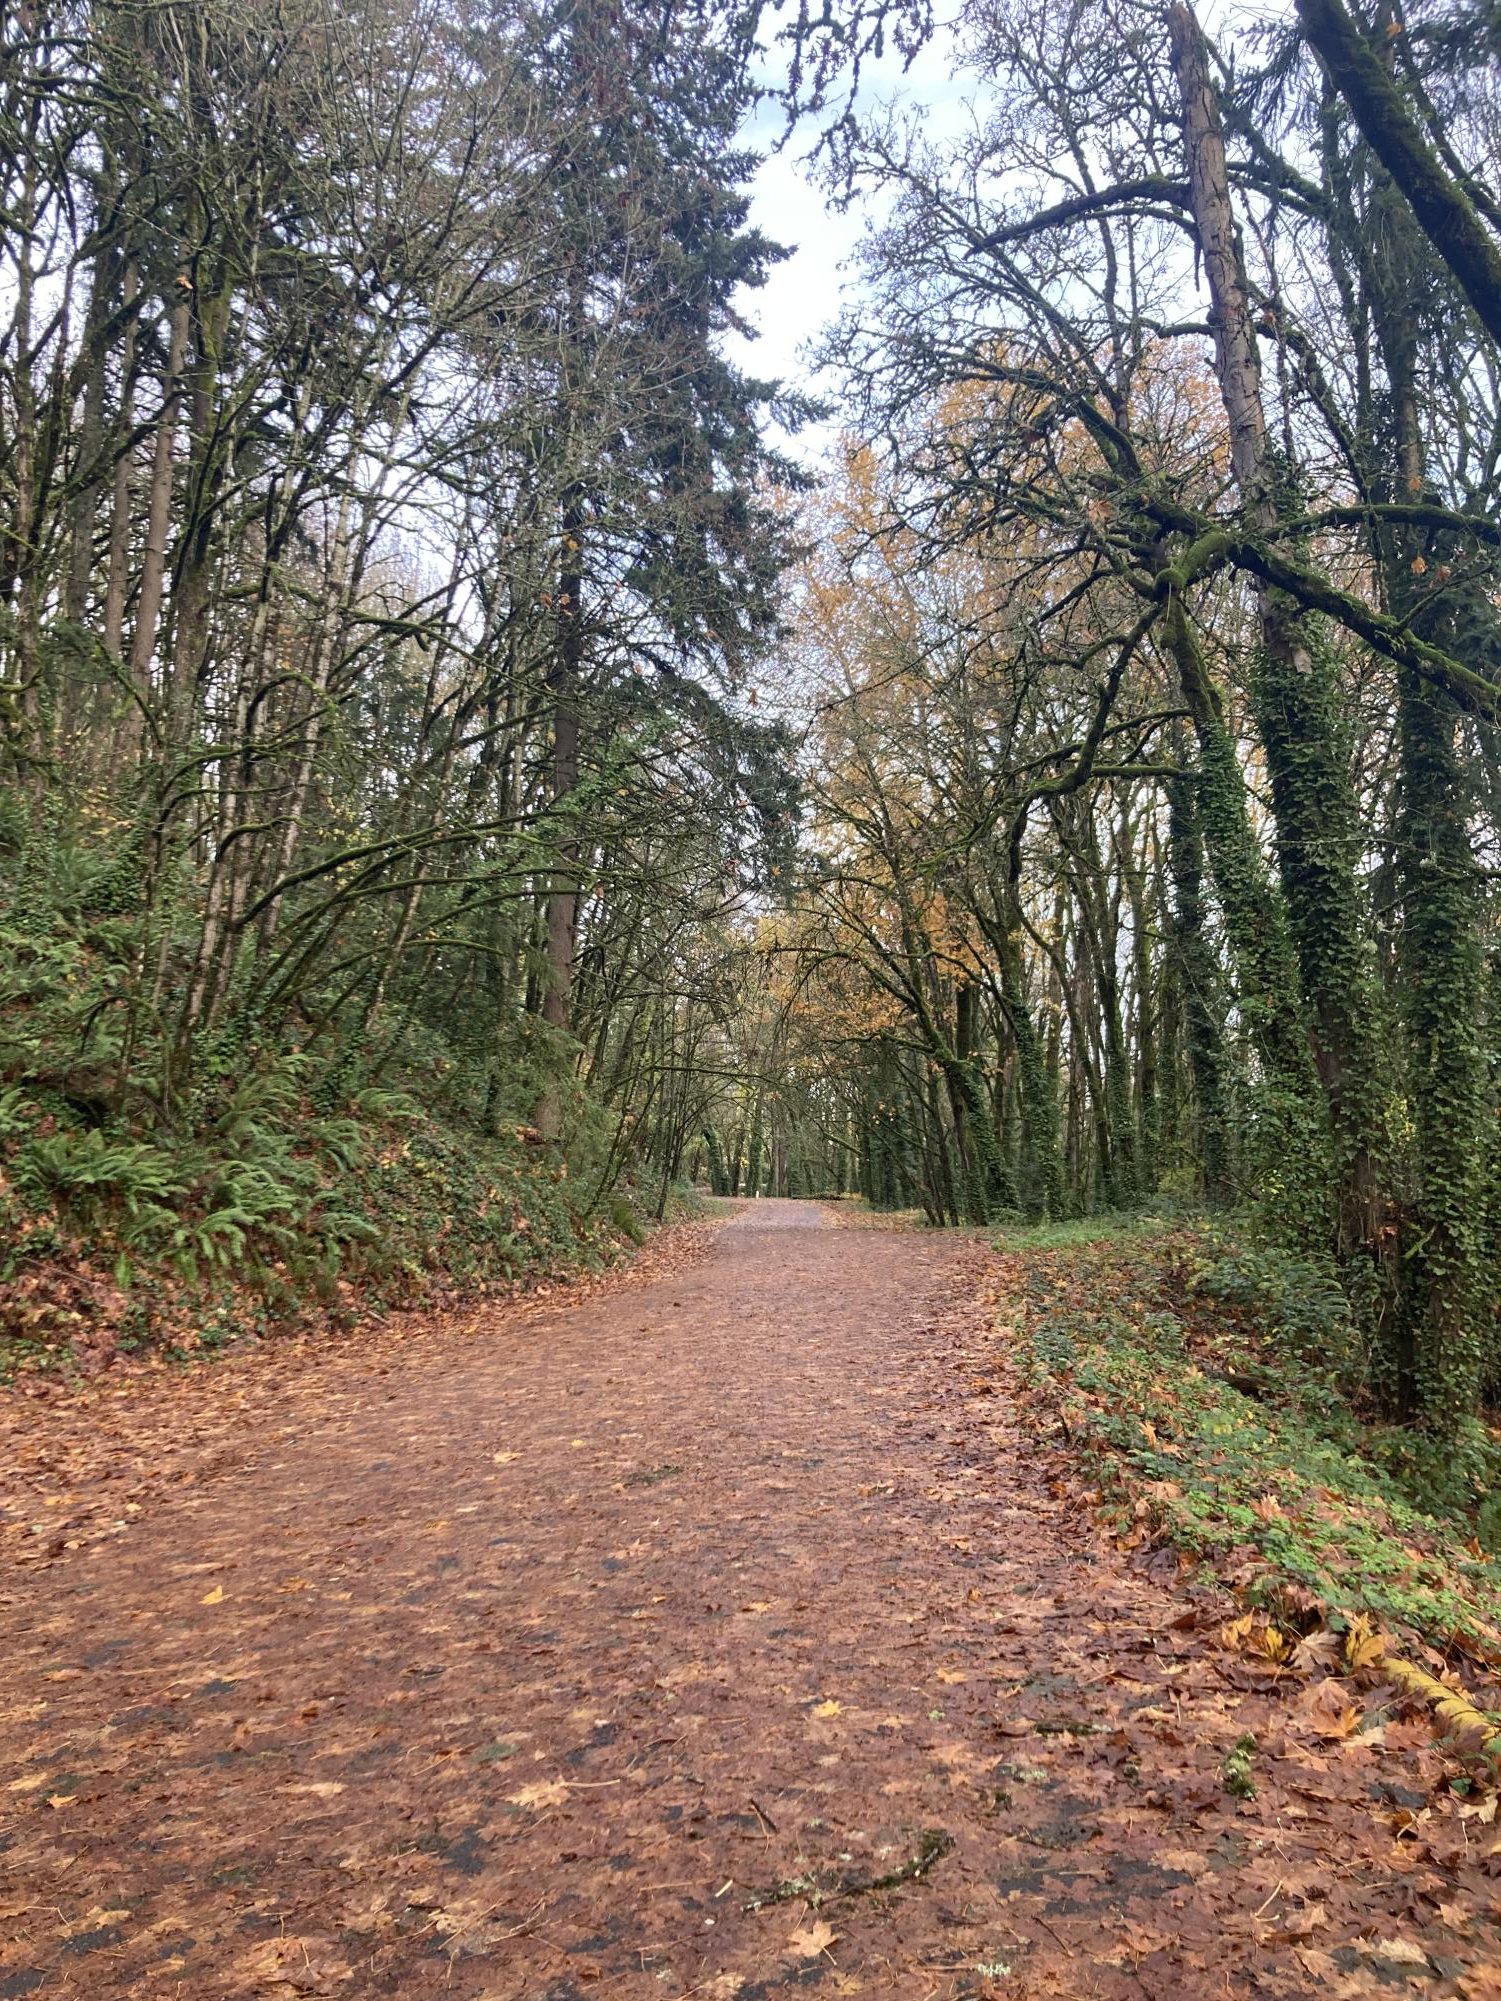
528,1670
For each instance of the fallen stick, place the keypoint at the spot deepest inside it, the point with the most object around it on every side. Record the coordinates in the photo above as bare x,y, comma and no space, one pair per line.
933,1845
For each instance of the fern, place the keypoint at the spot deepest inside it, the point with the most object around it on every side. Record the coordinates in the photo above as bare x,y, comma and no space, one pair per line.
89,1171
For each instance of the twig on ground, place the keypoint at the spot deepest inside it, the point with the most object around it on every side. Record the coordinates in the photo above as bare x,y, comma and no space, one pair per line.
932,1846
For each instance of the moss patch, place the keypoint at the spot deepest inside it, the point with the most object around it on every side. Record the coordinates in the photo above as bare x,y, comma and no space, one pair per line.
1208,1381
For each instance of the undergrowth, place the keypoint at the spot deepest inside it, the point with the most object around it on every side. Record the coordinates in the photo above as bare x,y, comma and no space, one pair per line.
1217,1385
273,1211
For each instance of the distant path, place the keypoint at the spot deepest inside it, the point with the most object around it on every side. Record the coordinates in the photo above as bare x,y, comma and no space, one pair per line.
519,1671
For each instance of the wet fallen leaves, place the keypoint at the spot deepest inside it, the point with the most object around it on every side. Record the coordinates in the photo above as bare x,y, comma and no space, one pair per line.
718,1634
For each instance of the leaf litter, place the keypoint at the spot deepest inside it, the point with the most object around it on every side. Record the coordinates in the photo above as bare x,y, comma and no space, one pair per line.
533,1726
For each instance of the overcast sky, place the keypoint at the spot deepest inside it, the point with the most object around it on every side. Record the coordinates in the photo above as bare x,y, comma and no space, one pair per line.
803,295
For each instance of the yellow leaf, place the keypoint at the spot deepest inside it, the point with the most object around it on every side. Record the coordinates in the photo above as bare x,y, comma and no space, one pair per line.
830,1708
214,1597
541,1793
1251,1634
1401,1951
1364,1646
809,1941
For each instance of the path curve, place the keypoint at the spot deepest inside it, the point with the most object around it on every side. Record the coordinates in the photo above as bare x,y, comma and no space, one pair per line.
545,1670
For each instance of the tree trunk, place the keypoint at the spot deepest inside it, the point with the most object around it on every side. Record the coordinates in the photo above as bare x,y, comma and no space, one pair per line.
1297,717
159,503
564,682
1444,210
1199,980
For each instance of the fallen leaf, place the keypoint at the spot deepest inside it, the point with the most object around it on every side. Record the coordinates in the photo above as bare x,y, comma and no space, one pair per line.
214,1597
809,1941
1253,1634
1364,1646
1326,1710
1299,1924
541,1793
1318,1650
1400,1951
284,1966
829,1708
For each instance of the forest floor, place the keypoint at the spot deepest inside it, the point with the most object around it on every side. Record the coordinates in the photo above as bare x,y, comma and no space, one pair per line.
715,1631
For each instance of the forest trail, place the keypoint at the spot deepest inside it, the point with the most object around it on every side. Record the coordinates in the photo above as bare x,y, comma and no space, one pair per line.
530,1673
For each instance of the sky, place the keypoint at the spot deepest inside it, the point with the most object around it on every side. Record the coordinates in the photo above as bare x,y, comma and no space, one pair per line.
804,293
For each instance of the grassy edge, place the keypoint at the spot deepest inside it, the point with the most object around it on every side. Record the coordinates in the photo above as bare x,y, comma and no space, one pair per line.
1265,1484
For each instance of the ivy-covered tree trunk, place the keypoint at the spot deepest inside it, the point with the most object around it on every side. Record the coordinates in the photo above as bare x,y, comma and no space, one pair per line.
1444,208
1298,720
1198,976
1261,952
753,1151
719,1175
1440,992
1099,931
1440,1348
1133,874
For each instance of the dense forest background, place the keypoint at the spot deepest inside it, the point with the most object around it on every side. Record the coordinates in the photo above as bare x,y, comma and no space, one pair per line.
462,777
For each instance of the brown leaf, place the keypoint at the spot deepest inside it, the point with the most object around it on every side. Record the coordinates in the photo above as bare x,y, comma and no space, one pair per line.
1326,1710
1300,1924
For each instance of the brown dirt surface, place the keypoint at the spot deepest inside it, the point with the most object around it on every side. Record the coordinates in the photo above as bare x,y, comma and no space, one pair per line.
710,1633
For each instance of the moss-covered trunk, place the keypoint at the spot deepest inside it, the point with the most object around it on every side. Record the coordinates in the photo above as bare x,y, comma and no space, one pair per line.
1297,716
1198,974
